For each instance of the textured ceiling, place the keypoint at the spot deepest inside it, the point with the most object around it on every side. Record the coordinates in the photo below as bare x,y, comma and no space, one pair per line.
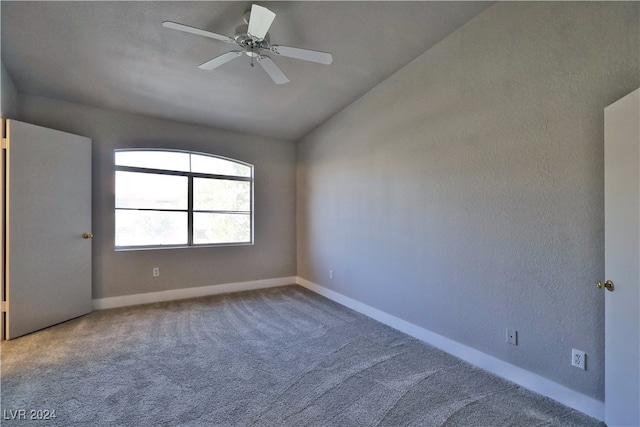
117,55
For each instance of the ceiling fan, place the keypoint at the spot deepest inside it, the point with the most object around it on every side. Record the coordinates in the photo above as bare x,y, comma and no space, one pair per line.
253,38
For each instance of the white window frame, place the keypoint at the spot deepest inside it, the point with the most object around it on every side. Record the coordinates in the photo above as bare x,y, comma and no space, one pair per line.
190,208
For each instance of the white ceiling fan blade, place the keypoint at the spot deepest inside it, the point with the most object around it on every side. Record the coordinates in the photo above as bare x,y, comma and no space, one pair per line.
259,21
197,31
220,60
273,70
306,54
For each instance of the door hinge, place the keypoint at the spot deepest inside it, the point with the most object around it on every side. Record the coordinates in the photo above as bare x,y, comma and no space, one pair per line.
4,306
5,143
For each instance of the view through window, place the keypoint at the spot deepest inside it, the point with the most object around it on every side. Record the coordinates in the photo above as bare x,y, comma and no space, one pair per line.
179,198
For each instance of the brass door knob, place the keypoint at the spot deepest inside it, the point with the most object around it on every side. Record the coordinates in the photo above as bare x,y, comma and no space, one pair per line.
608,285
87,235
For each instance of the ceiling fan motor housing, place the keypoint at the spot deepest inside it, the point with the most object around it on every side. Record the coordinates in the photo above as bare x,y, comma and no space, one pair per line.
250,45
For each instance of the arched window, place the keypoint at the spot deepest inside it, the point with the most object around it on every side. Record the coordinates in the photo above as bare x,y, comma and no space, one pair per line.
171,198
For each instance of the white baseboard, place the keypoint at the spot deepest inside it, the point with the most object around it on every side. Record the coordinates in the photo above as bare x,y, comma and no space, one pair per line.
522,377
199,291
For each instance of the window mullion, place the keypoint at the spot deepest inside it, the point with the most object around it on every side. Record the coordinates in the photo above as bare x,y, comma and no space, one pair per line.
150,209
190,213
181,173
150,170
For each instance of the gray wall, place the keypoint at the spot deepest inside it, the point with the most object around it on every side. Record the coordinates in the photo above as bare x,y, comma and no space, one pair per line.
465,193
129,272
8,95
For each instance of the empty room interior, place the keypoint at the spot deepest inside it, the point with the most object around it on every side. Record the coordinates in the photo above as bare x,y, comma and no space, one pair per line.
319,213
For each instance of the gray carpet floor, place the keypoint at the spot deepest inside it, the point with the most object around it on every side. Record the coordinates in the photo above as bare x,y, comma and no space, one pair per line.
275,357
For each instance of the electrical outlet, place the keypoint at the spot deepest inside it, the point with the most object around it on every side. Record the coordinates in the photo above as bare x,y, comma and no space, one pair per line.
579,359
331,274
156,271
512,336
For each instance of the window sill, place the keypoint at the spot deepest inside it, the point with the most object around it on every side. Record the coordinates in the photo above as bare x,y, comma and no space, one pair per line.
153,248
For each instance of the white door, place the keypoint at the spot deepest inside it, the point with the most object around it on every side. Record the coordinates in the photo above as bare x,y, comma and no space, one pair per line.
48,209
622,261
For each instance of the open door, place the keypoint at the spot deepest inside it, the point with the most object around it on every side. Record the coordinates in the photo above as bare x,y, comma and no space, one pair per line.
48,227
622,261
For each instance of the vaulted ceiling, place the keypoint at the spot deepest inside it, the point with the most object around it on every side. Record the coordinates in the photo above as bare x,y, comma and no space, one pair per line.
118,55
